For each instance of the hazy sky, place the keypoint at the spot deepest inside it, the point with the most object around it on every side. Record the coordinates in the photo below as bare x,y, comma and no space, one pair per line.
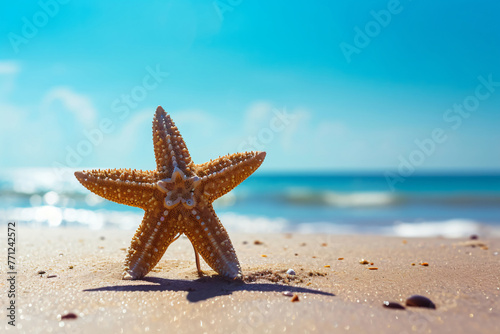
365,85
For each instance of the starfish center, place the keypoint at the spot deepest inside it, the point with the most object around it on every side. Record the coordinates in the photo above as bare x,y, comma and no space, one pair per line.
179,189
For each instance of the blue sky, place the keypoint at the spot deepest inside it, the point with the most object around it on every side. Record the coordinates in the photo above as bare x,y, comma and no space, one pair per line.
66,70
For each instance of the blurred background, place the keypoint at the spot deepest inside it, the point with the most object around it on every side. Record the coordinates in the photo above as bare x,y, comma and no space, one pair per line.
377,117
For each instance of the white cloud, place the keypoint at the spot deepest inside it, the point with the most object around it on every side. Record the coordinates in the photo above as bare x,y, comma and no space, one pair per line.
195,120
9,67
31,148
257,115
126,143
78,104
293,130
11,114
130,144
130,131
274,127
8,73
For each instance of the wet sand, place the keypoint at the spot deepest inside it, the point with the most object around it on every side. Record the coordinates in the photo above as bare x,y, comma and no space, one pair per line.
83,269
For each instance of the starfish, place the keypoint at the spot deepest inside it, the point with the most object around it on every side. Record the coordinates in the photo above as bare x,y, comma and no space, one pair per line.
177,199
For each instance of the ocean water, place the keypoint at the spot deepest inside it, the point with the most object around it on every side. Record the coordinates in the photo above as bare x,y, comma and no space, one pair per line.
425,205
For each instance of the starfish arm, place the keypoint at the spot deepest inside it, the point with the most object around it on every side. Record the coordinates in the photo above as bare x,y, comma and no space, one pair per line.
124,186
221,175
156,232
170,148
211,241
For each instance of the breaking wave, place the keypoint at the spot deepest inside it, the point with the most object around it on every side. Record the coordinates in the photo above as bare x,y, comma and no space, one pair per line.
303,204
337,199
51,216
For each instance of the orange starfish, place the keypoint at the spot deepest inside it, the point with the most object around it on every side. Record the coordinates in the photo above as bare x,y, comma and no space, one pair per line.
177,199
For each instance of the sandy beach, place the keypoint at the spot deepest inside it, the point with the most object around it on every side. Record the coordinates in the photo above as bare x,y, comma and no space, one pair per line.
81,291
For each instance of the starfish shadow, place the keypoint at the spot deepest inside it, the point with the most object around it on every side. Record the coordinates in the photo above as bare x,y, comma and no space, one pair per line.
206,287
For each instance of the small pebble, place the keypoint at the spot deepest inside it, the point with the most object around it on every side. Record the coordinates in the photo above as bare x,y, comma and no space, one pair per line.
264,255
70,267
296,254
295,298
363,261
102,238
413,264
474,237
371,263
327,266
258,242
324,244
393,305
373,268
290,272
69,316
51,276
340,258
425,264
245,242
303,244
404,243
288,293
420,301
41,272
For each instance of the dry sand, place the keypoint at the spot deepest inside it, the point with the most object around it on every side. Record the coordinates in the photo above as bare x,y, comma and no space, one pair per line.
462,279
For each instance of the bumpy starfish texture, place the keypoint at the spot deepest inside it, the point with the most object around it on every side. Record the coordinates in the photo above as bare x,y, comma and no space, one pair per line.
177,199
